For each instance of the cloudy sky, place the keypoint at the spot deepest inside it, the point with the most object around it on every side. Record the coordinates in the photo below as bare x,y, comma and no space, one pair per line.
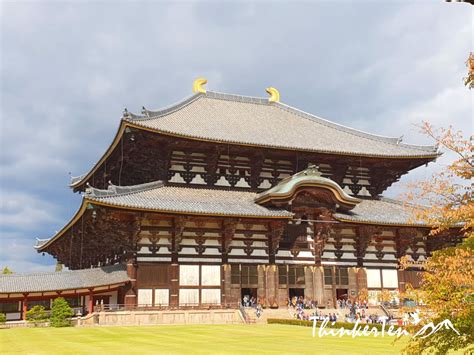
69,68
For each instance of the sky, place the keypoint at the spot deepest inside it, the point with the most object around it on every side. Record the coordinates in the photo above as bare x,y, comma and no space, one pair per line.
69,68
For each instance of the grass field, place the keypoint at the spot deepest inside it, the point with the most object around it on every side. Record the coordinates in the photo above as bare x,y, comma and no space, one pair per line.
233,339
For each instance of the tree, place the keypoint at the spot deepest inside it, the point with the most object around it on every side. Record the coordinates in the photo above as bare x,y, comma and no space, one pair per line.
363,295
384,296
59,267
469,80
3,318
37,314
447,285
6,271
448,193
61,313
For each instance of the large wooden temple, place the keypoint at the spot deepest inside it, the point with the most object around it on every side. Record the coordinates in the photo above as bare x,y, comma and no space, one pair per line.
221,196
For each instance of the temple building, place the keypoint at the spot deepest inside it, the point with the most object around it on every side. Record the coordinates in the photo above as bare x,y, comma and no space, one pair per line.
221,196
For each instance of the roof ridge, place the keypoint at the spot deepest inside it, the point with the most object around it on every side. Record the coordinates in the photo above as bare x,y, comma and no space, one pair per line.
116,190
150,114
238,98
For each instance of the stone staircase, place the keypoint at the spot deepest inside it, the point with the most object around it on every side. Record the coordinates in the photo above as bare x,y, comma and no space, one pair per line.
280,313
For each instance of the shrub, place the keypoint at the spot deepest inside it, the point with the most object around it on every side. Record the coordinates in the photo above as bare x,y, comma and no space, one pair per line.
61,313
37,314
3,318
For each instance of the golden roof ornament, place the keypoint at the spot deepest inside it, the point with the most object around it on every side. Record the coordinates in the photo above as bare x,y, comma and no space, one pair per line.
197,85
312,169
274,94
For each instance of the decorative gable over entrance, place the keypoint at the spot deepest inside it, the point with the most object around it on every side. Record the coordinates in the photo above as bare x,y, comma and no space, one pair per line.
308,188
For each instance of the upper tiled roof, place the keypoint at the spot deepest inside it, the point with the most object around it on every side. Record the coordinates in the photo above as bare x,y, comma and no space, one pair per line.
253,121
64,280
384,211
157,197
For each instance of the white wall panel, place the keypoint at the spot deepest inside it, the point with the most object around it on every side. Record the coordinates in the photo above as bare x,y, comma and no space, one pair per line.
211,296
373,278
189,275
145,297
162,297
390,278
189,296
211,275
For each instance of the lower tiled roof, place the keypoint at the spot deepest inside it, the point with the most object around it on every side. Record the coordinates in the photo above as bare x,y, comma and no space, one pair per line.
157,197
383,211
64,280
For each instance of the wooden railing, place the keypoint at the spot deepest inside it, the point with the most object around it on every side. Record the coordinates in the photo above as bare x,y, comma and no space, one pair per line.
244,314
146,307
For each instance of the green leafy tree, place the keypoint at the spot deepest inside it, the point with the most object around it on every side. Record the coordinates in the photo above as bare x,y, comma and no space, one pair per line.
3,318
61,313
37,314
6,271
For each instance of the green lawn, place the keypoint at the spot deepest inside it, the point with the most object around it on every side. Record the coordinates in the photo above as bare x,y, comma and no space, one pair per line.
232,339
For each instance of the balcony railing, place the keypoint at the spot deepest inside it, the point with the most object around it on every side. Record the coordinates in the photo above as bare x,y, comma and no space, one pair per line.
147,307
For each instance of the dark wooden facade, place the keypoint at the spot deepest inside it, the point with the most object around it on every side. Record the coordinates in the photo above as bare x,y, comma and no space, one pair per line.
143,156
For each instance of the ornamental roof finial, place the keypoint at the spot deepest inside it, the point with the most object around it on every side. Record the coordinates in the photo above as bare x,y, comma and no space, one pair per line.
274,94
197,85
313,169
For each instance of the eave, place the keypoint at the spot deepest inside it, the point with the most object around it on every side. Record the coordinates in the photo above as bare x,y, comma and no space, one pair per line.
124,124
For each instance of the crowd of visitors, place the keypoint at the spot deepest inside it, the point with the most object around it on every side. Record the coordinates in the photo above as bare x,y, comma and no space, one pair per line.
347,311
304,309
248,301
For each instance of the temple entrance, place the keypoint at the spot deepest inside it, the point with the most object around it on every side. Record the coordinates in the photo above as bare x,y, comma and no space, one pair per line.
342,293
246,296
296,292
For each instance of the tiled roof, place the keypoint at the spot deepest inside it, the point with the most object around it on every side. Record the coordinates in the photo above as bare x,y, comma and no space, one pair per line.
254,121
157,197
383,211
64,280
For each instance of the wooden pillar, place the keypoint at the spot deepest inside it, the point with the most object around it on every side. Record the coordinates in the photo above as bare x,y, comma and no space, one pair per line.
131,295
90,306
334,294
178,229
174,285
318,284
272,285
261,289
361,279
275,233
363,238
401,281
226,290
308,283
24,306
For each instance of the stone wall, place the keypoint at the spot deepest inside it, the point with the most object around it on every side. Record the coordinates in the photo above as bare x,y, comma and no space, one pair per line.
230,316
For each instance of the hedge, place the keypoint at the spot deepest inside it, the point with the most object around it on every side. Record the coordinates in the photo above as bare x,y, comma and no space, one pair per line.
309,323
